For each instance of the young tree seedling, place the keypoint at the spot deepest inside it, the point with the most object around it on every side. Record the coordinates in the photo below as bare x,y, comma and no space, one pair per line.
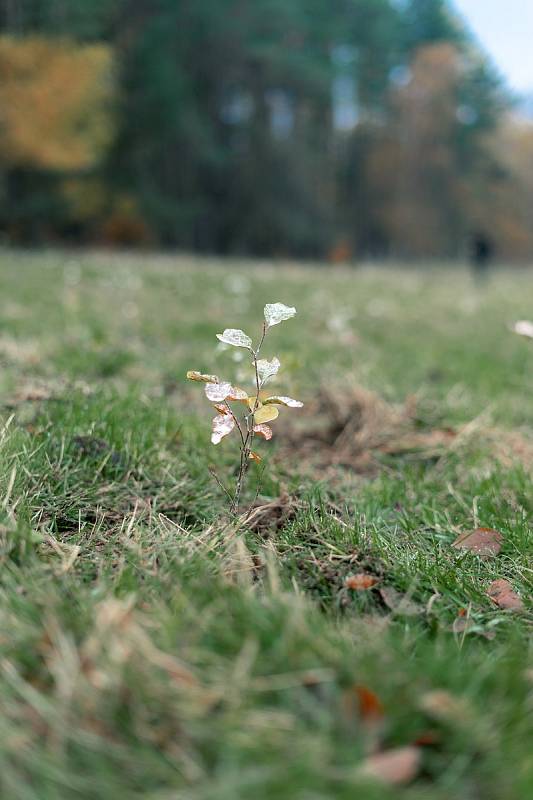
249,415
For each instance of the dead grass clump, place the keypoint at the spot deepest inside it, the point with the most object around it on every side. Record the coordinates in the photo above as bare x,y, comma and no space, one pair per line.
353,427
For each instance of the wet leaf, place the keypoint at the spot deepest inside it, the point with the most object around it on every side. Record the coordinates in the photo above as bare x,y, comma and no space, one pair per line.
277,312
360,582
223,425
217,392
255,457
267,369
238,394
193,375
235,337
524,328
399,603
265,414
393,767
283,401
502,593
482,542
265,431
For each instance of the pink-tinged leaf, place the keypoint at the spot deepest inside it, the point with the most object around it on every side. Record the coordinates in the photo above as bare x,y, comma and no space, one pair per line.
524,328
501,592
277,312
482,542
193,375
222,426
235,337
265,431
265,414
283,401
221,408
238,394
393,767
217,392
267,369
255,457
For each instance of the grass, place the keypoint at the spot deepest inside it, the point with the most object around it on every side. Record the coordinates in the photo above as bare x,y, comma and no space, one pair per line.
152,647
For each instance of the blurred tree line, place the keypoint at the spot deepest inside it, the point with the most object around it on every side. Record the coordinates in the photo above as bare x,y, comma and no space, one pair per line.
310,128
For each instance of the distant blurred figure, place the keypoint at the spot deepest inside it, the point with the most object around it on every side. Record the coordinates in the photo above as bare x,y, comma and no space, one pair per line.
481,252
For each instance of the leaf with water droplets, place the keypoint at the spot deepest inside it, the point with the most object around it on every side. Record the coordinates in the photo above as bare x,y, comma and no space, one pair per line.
265,414
283,401
238,394
277,312
267,369
217,392
482,542
265,431
223,425
502,593
235,337
194,375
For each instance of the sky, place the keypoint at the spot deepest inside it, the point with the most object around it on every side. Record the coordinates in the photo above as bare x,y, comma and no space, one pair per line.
505,30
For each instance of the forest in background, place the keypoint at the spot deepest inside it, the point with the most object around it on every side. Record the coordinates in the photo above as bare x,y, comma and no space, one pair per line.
330,129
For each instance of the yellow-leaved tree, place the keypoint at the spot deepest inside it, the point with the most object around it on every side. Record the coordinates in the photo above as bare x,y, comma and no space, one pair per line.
54,103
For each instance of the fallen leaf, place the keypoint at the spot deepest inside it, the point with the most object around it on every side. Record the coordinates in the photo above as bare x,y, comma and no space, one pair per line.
283,401
501,592
399,603
235,337
265,431
467,626
370,706
265,414
277,312
482,542
222,425
360,582
445,706
393,767
194,375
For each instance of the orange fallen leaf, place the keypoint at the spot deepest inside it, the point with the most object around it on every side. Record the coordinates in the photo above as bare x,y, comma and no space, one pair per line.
360,582
370,707
501,592
481,542
394,767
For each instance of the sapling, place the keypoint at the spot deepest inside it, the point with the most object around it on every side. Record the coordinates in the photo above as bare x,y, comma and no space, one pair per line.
249,414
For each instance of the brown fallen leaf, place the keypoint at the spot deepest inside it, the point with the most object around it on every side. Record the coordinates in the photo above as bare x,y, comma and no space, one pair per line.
501,592
393,767
399,603
482,542
361,581
466,626
445,706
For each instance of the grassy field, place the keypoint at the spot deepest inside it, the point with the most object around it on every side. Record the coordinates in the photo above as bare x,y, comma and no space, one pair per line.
153,646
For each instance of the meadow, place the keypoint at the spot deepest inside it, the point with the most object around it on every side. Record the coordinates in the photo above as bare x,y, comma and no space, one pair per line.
153,645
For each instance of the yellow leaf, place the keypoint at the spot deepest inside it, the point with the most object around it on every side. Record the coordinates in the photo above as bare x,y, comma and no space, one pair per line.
265,414
255,457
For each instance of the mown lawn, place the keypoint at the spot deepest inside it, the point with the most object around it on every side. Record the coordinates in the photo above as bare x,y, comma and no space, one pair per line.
153,646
